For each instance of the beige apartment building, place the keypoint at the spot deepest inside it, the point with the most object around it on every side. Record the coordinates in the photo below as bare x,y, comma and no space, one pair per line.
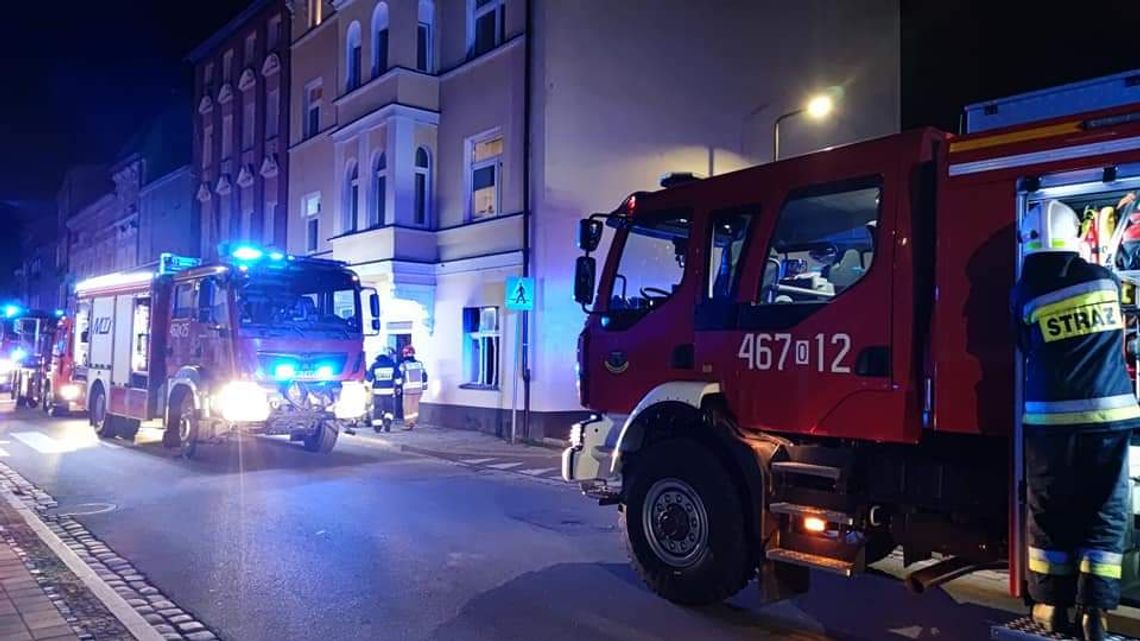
440,147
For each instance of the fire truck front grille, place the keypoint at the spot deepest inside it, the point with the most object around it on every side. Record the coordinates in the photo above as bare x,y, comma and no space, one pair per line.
311,365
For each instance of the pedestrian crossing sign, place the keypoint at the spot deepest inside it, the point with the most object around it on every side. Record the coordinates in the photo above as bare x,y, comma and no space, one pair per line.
519,294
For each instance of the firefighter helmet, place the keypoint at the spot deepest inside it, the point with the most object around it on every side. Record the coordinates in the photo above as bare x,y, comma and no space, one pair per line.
1051,226
409,351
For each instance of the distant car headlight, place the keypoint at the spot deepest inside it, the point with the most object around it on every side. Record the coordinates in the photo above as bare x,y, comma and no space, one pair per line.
353,401
69,392
243,402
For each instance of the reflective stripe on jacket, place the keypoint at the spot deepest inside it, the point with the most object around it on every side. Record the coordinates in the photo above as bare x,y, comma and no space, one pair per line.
1071,333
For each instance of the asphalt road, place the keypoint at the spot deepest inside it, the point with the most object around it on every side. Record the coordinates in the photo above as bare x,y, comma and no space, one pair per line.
263,541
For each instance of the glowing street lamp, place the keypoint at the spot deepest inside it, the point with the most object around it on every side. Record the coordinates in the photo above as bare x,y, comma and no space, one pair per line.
817,107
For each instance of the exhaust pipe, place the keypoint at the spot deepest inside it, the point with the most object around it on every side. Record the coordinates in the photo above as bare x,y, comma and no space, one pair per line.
947,570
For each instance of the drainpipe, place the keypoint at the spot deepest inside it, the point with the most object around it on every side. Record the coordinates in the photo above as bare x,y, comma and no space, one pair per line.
527,106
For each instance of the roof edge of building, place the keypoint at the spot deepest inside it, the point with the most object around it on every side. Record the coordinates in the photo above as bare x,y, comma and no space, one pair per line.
227,30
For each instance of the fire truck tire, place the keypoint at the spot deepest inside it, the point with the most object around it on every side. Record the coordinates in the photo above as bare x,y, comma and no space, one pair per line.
182,427
127,428
103,422
695,551
322,441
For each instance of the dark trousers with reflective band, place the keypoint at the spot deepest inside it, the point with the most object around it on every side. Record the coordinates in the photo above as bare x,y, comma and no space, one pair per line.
1078,495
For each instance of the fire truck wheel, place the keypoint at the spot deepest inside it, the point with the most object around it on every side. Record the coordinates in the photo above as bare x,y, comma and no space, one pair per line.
322,440
684,524
182,427
127,428
100,420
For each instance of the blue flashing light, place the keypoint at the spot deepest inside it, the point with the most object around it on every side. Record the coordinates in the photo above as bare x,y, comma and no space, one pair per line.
19,354
284,371
324,372
276,256
11,310
245,252
59,313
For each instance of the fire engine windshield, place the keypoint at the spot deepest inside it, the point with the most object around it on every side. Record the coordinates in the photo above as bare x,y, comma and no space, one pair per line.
652,261
299,302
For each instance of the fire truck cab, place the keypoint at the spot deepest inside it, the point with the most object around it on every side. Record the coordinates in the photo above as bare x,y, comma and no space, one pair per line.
259,342
811,363
27,339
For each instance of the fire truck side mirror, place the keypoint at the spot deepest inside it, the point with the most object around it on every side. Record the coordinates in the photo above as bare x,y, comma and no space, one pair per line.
584,276
589,234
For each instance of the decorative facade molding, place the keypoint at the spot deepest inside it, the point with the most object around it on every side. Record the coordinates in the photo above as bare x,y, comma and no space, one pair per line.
204,192
271,65
206,105
223,187
269,166
245,176
225,94
248,80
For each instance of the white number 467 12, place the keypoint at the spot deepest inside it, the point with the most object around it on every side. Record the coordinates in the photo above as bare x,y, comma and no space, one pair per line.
780,351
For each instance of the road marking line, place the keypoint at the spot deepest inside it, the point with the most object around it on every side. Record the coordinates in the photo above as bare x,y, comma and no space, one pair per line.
505,466
4,452
539,471
41,442
475,461
131,620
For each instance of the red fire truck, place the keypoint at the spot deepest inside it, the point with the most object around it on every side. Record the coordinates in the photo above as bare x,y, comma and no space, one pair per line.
35,334
63,389
810,364
259,342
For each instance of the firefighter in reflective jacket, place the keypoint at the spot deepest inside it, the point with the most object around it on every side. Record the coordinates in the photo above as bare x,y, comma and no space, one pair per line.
382,375
410,386
1079,410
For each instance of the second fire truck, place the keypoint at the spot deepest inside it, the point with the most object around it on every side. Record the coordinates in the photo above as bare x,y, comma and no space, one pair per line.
259,342
810,363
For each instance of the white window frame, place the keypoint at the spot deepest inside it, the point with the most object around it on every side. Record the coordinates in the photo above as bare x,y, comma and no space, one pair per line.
350,211
273,33
379,210
250,49
269,222
379,23
426,173
353,49
248,121
426,19
272,113
472,166
309,107
308,215
227,136
483,337
207,144
474,13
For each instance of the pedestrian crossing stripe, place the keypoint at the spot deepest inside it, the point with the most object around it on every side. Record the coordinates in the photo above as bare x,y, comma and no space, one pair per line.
505,466
539,471
476,461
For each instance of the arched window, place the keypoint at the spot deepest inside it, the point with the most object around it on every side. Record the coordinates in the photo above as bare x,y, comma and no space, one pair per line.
352,56
351,199
379,39
423,187
425,40
379,190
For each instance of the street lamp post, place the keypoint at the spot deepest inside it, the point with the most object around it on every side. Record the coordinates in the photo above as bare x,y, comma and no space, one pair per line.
817,108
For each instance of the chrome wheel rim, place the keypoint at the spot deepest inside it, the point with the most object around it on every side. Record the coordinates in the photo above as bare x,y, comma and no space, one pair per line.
184,424
675,522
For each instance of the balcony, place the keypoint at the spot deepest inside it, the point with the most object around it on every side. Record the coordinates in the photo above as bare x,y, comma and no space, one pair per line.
395,86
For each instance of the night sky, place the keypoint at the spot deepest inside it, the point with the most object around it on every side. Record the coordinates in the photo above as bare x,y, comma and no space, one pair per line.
80,76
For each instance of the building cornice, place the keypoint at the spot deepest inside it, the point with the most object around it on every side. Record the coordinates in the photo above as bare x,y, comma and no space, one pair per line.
377,118
493,54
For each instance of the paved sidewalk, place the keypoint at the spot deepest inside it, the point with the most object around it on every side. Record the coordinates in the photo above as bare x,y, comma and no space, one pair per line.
474,449
26,611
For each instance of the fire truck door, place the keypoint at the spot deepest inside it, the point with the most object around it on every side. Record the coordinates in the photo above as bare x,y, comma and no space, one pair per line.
805,345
